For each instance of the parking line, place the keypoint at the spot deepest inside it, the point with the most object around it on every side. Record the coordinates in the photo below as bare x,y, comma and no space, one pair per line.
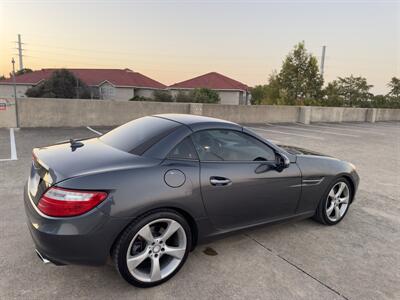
295,134
12,145
95,131
366,125
388,124
13,148
269,140
338,128
311,130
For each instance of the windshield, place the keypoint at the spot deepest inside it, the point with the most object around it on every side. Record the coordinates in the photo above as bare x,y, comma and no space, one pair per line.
139,135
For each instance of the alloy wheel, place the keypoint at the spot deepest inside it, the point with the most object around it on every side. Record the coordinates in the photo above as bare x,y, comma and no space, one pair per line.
156,250
338,201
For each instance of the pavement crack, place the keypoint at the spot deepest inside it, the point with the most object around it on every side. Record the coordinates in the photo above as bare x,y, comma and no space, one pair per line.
297,267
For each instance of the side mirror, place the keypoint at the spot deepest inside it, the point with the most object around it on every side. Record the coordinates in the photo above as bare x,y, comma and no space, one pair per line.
282,162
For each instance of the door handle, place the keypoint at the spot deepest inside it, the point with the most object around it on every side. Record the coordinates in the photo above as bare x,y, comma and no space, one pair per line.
220,181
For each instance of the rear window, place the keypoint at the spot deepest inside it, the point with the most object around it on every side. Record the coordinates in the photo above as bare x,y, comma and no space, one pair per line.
139,135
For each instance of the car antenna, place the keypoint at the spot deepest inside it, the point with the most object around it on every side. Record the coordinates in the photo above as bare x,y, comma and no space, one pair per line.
75,144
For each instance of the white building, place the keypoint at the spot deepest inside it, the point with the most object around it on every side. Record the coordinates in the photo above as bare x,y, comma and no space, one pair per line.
230,91
113,84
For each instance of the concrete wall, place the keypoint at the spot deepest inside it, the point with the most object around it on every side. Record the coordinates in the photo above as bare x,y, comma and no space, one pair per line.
351,114
383,114
252,114
7,90
40,112
326,114
338,114
7,113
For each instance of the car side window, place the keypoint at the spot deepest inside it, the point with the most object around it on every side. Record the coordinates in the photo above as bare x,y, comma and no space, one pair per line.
230,145
184,150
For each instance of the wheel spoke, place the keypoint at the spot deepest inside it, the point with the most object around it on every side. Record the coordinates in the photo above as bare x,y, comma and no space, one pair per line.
145,233
332,193
136,260
155,272
177,252
344,200
330,209
161,236
341,188
173,226
337,213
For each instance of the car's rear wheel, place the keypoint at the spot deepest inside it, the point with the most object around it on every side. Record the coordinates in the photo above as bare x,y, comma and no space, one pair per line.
153,248
335,203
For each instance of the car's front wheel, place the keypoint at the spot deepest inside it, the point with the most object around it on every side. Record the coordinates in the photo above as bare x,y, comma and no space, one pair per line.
335,203
153,248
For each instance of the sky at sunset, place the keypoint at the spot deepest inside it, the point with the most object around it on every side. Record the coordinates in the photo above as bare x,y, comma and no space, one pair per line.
171,41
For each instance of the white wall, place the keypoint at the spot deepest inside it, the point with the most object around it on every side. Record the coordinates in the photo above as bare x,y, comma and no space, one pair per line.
7,90
110,92
116,93
123,93
148,93
227,97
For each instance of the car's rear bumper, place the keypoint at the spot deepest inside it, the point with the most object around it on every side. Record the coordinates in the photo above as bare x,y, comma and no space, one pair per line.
85,239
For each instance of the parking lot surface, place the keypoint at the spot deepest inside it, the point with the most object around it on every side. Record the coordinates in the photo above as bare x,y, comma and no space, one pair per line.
357,259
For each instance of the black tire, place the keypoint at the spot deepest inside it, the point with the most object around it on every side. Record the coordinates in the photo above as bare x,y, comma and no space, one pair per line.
121,246
320,214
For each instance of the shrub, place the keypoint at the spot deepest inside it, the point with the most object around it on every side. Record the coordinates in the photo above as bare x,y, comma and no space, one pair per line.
140,98
162,96
61,84
204,95
183,97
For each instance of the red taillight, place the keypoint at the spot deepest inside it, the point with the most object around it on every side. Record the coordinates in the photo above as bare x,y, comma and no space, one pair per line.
58,202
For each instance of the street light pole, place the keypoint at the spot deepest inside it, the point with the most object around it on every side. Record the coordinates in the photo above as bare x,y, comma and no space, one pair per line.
15,92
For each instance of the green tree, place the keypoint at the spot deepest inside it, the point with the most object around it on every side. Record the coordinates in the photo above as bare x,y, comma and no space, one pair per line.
162,96
61,84
203,95
299,78
394,93
394,86
183,97
379,101
354,91
332,95
267,93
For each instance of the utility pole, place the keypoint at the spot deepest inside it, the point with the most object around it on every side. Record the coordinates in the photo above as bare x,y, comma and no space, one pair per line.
323,60
21,65
15,92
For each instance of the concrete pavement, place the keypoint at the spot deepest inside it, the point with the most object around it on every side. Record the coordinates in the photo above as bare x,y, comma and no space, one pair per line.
357,259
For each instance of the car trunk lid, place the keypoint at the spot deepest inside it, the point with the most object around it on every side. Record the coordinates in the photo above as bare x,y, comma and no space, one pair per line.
56,163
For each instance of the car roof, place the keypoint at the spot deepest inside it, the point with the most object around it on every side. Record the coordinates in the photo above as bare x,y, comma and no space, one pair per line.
195,122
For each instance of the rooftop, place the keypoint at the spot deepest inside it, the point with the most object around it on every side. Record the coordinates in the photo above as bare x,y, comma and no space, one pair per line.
92,77
212,80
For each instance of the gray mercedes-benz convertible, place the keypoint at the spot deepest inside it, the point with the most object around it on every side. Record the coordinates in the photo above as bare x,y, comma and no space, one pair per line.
148,191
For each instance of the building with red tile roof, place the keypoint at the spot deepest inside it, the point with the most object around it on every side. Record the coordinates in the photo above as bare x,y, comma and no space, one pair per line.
230,91
116,84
